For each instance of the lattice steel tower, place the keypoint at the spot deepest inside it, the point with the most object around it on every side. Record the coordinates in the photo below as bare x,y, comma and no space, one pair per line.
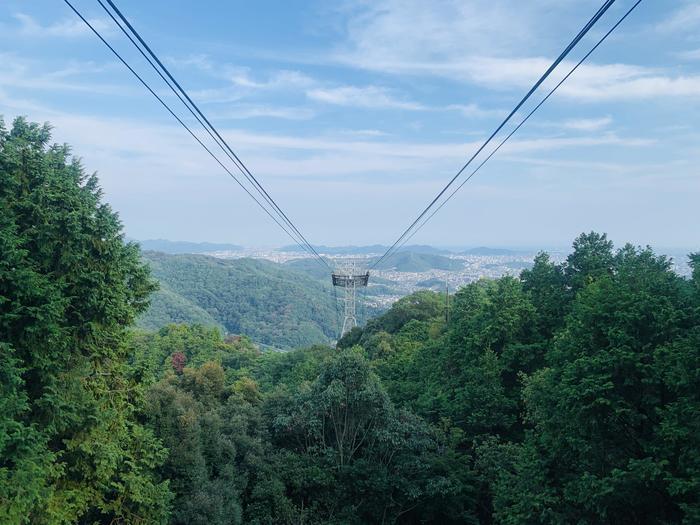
346,277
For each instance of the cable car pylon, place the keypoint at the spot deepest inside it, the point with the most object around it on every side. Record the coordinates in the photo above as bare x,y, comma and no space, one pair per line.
348,277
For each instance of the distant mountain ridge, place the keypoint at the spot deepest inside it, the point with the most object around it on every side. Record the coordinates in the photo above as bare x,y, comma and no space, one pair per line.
484,250
176,247
366,250
184,247
338,250
402,261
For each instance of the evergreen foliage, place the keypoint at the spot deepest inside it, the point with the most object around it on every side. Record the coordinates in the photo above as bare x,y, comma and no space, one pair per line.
70,445
272,304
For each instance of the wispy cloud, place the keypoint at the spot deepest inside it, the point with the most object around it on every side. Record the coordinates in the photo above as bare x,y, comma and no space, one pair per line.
684,18
280,112
480,43
19,73
620,83
475,111
691,54
240,83
198,61
282,78
440,32
588,124
67,28
374,97
364,132
108,142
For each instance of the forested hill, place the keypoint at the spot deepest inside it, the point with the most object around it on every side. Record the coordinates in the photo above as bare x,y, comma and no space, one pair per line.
270,303
418,262
403,261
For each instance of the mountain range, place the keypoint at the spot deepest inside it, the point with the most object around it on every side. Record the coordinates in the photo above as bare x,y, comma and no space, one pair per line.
173,247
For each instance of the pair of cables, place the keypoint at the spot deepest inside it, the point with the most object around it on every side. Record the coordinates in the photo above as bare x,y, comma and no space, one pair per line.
421,220
253,187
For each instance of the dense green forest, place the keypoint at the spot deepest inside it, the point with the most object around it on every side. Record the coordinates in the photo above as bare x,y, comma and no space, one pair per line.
568,395
283,306
273,304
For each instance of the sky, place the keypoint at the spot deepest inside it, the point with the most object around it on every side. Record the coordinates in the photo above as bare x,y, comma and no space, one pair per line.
353,115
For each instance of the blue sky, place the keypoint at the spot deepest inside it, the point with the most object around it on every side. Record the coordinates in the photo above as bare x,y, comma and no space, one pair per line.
353,114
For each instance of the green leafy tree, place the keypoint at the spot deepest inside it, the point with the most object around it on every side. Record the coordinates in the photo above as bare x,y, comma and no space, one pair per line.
185,412
352,457
546,285
592,257
607,443
69,287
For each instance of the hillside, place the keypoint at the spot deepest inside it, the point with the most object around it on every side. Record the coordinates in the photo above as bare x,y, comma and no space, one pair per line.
431,283
311,267
268,302
419,262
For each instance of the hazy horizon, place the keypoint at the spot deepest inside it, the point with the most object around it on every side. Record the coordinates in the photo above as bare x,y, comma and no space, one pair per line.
524,247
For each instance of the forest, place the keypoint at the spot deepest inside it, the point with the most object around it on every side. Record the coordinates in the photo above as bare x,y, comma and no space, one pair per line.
275,305
569,394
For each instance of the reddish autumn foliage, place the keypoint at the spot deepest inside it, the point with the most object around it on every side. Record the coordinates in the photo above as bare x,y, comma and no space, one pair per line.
178,359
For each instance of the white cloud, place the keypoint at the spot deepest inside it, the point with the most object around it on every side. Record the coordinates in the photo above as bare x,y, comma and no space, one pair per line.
593,82
480,42
621,82
246,112
685,18
362,97
198,61
475,111
691,54
588,124
217,95
364,132
130,147
67,28
395,33
23,74
283,78
240,83
142,165
18,105
444,38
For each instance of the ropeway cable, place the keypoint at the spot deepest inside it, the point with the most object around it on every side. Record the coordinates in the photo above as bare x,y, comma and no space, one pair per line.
179,120
585,57
601,11
221,142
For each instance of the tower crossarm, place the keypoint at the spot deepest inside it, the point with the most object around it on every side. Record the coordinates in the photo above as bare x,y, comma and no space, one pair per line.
347,280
